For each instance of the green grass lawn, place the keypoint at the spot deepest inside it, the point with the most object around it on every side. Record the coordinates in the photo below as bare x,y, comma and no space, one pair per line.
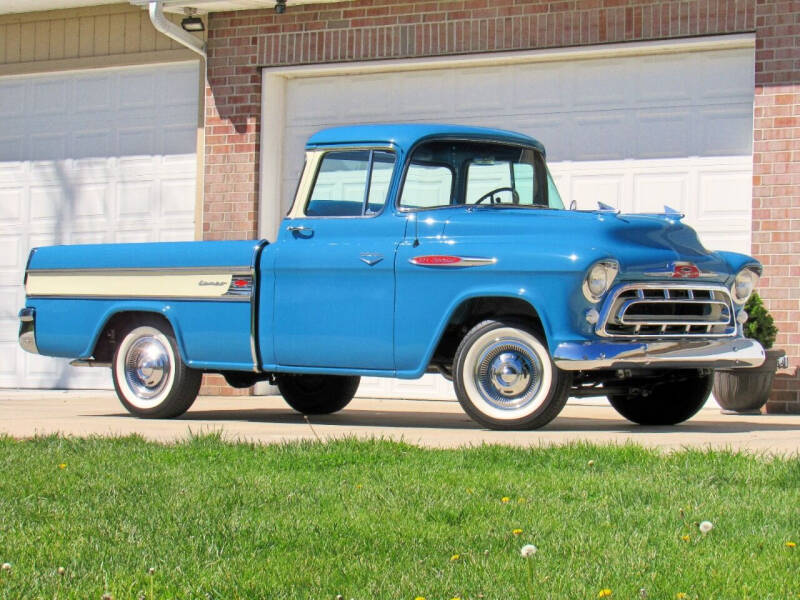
379,519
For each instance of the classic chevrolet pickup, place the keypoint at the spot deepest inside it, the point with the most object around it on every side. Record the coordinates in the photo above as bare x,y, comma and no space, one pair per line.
411,249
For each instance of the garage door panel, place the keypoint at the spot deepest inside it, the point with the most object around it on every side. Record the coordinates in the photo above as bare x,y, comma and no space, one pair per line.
653,191
592,88
136,90
12,150
176,200
136,141
663,80
549,95
600,136
725,76
721,131
424,97
44,91
12,100
662,134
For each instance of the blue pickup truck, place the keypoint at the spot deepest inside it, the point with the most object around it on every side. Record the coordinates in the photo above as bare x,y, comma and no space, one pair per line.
411,249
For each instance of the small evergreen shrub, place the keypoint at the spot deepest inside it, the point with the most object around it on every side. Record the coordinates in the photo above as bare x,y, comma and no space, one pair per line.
760,325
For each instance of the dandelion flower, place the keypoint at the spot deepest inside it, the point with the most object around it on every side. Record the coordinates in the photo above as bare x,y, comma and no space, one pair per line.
680,596
791,545
420,598
517,531
528,550
455,557
706,526
62,466
604,593
61,570
505,499
685,538
456,598
522,501
6,567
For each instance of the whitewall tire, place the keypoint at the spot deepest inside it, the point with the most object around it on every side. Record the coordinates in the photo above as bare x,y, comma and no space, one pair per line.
504,377
150,378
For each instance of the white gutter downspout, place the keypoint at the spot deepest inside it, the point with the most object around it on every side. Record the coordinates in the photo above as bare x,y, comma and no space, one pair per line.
175,32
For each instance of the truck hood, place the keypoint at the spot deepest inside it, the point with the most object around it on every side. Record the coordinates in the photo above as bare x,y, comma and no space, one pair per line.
646,246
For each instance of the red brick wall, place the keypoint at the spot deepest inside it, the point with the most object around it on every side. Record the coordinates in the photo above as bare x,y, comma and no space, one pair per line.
239,43
776,181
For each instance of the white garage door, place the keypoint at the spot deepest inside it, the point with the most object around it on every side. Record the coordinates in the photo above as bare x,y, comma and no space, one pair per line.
88,157
635,132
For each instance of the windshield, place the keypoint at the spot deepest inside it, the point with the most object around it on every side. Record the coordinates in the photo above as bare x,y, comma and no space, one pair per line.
447,173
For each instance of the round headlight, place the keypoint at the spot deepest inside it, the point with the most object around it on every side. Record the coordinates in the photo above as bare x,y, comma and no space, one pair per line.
743,285
599,278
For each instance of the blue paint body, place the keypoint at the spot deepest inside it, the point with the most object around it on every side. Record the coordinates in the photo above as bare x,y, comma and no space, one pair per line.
322,308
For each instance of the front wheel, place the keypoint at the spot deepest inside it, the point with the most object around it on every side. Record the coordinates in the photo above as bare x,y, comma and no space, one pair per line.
317,394
149,375
504,377
670,403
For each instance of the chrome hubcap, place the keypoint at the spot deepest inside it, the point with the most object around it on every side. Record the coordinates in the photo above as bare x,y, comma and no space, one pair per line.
508,374
147,367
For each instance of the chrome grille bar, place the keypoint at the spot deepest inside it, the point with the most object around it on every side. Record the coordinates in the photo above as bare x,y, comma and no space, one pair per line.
667,310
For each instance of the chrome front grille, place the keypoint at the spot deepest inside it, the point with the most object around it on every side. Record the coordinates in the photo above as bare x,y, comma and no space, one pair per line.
667,310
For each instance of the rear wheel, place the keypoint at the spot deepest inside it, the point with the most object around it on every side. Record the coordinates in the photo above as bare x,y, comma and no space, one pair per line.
149,375
317,394
667,403
504,377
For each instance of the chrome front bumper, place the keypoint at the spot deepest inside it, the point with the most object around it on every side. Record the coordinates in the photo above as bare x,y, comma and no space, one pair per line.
27,330
688,354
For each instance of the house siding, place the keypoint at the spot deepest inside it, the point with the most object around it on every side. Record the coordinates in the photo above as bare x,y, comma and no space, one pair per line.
117,34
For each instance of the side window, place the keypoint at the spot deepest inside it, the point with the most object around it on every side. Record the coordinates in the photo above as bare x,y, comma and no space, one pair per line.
351,183
427,186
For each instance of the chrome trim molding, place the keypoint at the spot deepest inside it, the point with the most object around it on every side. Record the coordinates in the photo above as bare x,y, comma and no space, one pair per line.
27,330
253,298
88,362
686,353
437,260
114,271
172,298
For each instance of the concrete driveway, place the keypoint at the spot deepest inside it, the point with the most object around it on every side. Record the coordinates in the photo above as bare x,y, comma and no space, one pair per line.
428,423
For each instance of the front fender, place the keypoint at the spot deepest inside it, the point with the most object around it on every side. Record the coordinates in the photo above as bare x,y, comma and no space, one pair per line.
418,369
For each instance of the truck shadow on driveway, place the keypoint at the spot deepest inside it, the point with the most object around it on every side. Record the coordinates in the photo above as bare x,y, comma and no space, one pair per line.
357,418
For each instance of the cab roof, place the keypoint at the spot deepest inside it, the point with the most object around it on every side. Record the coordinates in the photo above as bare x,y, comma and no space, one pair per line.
405,135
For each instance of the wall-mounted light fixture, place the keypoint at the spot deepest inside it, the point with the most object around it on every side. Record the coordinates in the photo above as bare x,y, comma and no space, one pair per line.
191,22
280,6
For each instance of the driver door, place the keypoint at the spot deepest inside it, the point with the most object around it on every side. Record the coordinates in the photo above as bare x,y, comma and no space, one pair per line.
334,268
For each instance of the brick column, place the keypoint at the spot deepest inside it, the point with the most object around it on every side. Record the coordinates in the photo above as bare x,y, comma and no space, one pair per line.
776,183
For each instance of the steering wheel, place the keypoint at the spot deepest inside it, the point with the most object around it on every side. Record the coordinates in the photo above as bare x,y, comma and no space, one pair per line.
514,195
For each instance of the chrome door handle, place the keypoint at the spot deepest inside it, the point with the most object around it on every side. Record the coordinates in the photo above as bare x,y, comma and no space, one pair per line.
298,228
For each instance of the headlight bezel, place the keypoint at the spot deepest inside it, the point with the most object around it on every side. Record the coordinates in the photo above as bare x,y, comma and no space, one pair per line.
610,269
751,273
